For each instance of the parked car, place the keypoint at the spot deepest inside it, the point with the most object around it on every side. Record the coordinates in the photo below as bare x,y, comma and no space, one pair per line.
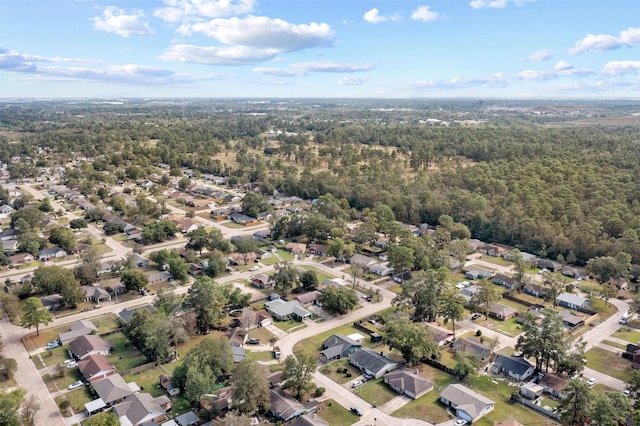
75,385
591,381
71,364
67,362
52,345
356,411
460,422
356,383
475,316
253,341
254,268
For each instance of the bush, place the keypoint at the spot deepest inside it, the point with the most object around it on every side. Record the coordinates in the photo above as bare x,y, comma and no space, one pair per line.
64,405
479,333
319,392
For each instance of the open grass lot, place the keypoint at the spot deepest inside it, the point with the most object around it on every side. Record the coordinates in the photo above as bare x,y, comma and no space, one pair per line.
54,356
608,363
604,310
625,333
500,392
495,260
289,324
336,414
271,260
261,333
56,382
320,274
428,407
124,355
77,398
259,356
285,255
312,345
509,327
330,370
375,392
447,358
439,377
148,381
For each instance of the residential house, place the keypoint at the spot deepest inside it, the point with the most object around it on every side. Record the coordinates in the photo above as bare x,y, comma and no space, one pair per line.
569,271
167,384
381,269
10,245
112,389
473,347
439,335
570,320
312,419
195,269
573,301
371,362
549,265
490,250
10,234
296,249
253,319
221,212
184,225
339,346
469,291
90,344
238,353
283,310
532,311
475,273
503,280
526,257
77,329
555,384
241,219
363,261
335,282
501,312
81,248
187,419
261,281
96,367
517,368
52,301
142,408
318,249
109,267
284,407
160,277
140,261
408,383
308,298
21,258
536,290
51,253
95,293
263,254
116,288
6,209
402,276
467,404
238,336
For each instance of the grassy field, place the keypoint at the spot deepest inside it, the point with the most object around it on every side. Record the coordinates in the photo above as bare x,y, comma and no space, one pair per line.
609,363
615,344
495,260
625,333
148,381
336,414
285,255
320,274
604,310
375,392
288,325
428,407
55,356
259,355
124,355
330,370
261,333
312,345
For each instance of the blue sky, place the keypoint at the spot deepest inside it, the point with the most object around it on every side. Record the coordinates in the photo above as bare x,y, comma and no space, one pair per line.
320,48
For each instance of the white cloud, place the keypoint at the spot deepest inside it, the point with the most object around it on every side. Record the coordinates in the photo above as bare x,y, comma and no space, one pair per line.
126,74
620,67
495,4
212,55
350,80
117,21
562,65
602,42
539,55
261,32
373,17
193,10
536,75
425,14
304,68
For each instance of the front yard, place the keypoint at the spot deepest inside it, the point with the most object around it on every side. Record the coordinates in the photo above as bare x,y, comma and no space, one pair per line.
609,363
375,392
625,333
331,371
336,414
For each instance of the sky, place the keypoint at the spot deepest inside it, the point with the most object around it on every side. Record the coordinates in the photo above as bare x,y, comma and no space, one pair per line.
320,48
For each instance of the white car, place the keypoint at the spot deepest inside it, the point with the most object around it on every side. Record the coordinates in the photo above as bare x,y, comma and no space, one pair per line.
356,384
70,363
254,268
591,381
460,422
75,385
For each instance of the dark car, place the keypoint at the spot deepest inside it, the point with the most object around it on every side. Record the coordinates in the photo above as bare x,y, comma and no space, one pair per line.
253,341
356,411
475,316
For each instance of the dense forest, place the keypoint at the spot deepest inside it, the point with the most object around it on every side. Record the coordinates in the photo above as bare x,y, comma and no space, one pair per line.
551,178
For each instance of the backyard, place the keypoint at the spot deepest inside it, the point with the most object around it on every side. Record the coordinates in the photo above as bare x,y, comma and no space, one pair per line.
124,356
312,345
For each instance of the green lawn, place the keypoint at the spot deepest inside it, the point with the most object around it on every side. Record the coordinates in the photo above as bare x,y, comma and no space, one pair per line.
288,325
396,288
336,414
609,363
285,255
259,355
376,392
320,274
55,356
271,260
625,333
261,333
148,381
495,260
604,310
77,398
124,355
427,407
447,358
330,370
615,344
312,345
70,376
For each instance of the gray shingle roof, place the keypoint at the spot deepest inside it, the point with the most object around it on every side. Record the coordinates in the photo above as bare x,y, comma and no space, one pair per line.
112,388
465,399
